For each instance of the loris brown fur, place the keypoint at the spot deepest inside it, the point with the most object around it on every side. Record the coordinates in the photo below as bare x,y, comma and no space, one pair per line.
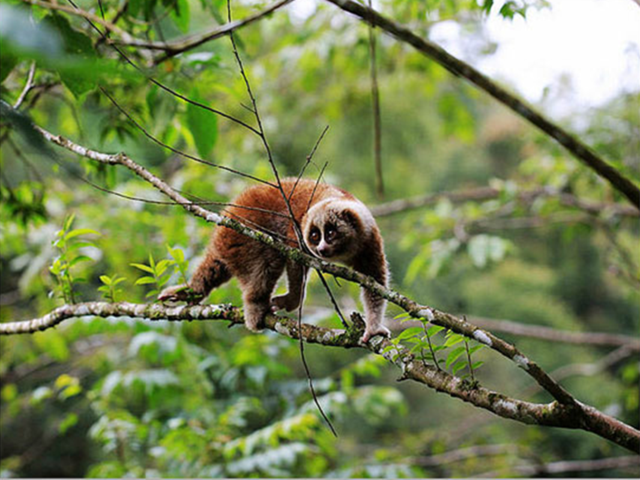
335,226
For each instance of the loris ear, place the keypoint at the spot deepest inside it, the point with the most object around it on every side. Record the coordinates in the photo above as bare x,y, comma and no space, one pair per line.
351,218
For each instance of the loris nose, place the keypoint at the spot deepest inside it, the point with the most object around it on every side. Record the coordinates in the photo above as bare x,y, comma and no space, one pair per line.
323,249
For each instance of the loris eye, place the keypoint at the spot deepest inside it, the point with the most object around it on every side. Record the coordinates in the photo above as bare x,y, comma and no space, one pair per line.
314,236
330,234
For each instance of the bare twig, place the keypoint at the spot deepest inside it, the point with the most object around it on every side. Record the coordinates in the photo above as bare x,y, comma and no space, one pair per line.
182,45
294,220
27,86
306,366
459,68
555,335
73,10
121,11
586,369
156,82
308,161
462,454
375,105
175,150
479,194
557,468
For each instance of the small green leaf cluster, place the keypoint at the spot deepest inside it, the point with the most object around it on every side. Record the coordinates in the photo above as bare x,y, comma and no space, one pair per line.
160,272
109,288
425,342
69,245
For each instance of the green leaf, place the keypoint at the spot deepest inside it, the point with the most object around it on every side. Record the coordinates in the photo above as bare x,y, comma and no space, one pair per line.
143,267
434,329
477,365
473,350
409,332
457,367
145,281
106,280
81,258
80,231
453,340
454,355
181,15
69,421
23,125
75,44
203,125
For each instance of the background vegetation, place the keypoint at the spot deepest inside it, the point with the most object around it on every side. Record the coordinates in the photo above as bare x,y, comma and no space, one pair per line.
113,398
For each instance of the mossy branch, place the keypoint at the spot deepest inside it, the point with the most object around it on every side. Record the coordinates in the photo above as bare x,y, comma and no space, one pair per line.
554,414
459,68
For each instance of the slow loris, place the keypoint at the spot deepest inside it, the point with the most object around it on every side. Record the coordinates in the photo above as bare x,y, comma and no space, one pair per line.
336,227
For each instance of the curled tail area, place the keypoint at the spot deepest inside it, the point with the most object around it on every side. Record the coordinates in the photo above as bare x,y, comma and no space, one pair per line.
211,273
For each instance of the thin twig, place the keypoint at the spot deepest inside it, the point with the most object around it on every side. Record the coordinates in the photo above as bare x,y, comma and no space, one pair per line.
375,105
294,220
304,361
564,467
175,150
459,68
156,82
433,353
75,10
308,161
27,86
555,335
182,45
480,194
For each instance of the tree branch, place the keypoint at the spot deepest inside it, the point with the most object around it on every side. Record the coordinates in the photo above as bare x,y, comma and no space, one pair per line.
562,336
565,411
547,333
459,68
557,468
181,45
458,325
84,14
555,414
455,456
480,194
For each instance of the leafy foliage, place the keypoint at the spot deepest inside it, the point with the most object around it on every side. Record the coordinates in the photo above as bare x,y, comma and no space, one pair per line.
115,398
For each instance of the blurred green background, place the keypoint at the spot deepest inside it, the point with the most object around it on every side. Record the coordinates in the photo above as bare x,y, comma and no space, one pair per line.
114,398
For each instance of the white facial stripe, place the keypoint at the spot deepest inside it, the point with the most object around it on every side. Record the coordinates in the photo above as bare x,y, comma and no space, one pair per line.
360,210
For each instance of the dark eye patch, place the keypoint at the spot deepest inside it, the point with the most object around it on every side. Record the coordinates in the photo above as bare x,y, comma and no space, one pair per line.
314,236
330,232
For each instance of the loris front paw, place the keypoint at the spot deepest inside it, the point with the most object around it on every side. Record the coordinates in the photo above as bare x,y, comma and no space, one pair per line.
179,293
284,302
370,332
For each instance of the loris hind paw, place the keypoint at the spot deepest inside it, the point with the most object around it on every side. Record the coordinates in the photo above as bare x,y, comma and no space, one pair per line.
180,293
371,332
284,302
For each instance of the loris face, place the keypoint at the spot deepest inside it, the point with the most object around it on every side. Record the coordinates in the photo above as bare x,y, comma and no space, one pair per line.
331,234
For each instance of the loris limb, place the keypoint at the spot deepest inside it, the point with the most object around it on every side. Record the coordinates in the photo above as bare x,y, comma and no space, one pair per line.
373,263
296,280
211,273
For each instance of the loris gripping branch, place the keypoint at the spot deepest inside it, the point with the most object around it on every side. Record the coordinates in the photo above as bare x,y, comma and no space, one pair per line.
336,227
